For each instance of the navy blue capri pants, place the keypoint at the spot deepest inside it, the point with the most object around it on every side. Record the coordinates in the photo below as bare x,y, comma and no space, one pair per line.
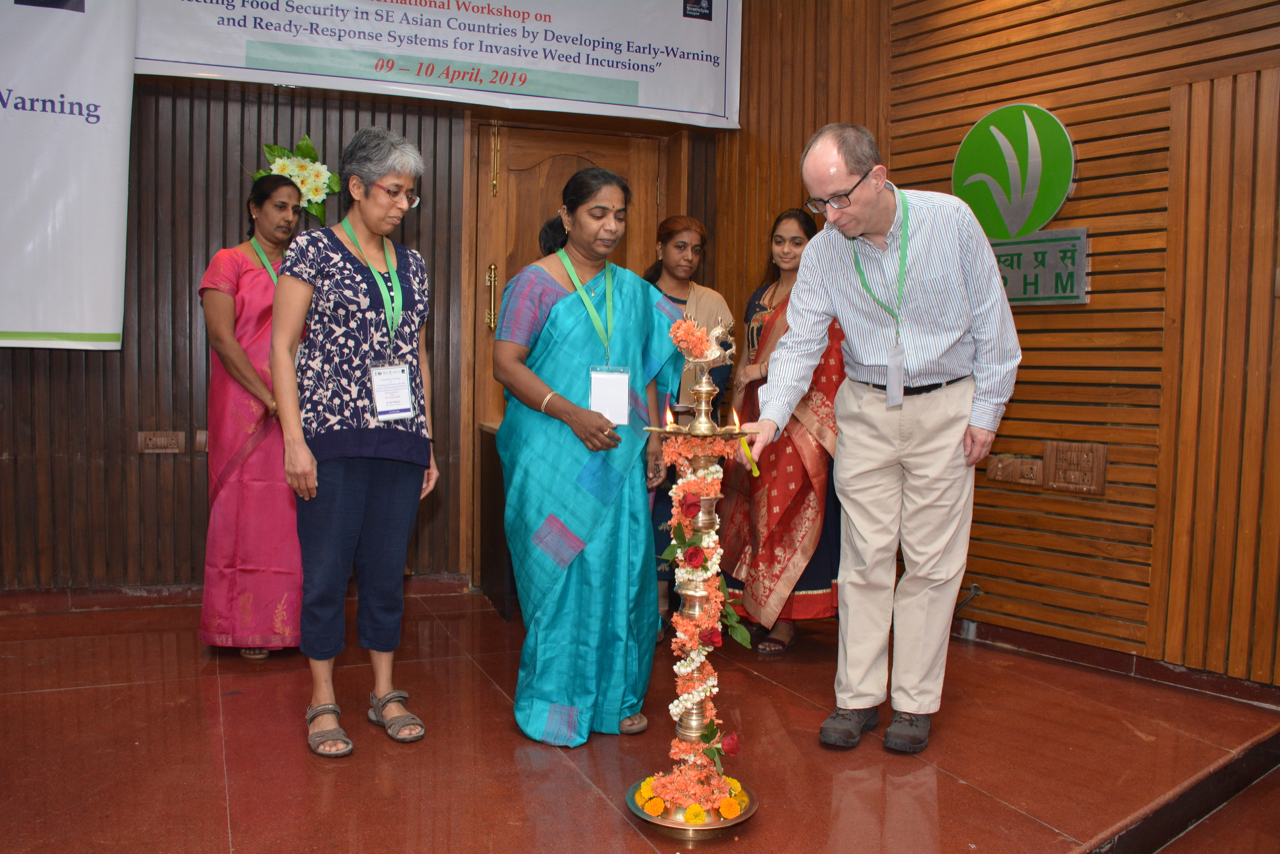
362,515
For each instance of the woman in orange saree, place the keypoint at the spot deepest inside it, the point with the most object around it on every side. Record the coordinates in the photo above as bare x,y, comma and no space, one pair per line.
781,530
253,564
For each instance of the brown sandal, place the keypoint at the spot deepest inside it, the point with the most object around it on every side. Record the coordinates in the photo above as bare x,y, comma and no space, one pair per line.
639,723
319,737
399,722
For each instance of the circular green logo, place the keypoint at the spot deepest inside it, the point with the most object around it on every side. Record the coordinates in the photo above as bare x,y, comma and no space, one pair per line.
1014,168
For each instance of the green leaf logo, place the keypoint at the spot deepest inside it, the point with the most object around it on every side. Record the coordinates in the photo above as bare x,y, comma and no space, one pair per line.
1014,169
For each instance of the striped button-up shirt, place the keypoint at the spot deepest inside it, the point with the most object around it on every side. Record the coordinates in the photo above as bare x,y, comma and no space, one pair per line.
955,317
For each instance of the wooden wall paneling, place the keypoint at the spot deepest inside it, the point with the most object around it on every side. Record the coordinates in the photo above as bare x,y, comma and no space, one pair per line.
468,487
84,508
180,318
1223,605
1208,433
1121,370
8,473
1190,264
1255,268
1163,48
1232,501
448,241
811,63
1265,652
701,200
40,427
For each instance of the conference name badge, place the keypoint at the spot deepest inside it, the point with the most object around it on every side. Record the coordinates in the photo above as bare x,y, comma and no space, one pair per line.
392,395
609,393
897,376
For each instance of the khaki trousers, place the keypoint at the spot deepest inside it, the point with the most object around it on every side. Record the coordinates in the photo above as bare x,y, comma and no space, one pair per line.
902,479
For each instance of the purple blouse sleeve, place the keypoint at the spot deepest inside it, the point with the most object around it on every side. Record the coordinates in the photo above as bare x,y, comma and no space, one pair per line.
526,302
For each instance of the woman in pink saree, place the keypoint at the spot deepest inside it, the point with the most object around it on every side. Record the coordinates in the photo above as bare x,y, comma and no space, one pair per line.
253,564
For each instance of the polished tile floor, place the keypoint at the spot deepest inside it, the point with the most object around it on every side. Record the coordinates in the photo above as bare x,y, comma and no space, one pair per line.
124,733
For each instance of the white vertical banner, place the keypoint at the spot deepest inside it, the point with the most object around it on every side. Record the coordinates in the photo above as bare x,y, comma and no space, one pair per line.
66,95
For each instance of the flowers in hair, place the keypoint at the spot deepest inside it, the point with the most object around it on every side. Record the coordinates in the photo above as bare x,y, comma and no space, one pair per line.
303,167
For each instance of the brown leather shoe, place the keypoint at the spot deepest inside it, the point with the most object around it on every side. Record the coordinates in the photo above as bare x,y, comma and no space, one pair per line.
909,733
844,727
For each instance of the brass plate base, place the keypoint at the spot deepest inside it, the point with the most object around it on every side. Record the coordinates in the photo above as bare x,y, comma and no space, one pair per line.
671,823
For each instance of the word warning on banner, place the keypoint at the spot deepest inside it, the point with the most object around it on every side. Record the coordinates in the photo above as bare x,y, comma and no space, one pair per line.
65,125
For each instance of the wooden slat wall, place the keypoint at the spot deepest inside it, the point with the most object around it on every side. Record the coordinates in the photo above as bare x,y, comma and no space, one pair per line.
1094,570
79,507
1225,543
805,63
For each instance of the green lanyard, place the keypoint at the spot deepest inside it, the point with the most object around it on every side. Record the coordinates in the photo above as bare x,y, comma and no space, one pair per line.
392,302
902,270
591,309
257,247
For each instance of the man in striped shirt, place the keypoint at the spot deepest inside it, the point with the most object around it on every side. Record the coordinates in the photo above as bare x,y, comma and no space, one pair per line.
930,355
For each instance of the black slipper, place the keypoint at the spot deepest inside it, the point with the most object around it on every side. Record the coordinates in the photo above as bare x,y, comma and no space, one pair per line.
778,647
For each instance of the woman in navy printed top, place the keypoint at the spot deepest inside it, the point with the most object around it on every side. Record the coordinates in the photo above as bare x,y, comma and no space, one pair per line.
354,397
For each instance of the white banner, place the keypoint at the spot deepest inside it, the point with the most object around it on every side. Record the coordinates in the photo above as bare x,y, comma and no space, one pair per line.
66,95
670,60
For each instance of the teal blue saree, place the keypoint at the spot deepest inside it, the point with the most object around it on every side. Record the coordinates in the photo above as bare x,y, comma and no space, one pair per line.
578,522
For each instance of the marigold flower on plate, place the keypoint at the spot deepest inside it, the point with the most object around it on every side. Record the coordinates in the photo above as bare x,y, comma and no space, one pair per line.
645,792
694,814
729,808
734,785
654,807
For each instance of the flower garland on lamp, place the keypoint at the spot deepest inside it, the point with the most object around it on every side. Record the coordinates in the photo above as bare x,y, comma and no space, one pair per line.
303,167
695,799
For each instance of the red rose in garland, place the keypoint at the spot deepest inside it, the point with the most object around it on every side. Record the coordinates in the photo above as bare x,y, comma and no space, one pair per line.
694,556
729,744
710,637
690,505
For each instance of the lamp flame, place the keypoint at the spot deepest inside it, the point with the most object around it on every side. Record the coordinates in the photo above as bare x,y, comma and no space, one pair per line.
736,423
670,419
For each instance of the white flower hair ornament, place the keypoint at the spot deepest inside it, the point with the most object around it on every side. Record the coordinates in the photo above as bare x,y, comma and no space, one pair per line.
303,167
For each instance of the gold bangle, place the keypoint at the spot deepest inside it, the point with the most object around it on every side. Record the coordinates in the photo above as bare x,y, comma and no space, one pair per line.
545,401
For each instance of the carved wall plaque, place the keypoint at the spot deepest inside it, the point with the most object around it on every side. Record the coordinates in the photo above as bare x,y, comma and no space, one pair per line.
1010,469
1075,467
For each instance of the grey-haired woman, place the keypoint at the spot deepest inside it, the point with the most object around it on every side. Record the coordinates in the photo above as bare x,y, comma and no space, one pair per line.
354,400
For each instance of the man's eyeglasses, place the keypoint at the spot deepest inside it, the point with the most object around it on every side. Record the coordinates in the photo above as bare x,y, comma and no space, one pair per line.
413,197
837,202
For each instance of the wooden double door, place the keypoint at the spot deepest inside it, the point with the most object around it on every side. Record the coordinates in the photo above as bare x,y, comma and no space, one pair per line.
520,175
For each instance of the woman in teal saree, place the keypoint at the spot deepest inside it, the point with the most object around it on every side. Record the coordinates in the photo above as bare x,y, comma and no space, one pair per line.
577,507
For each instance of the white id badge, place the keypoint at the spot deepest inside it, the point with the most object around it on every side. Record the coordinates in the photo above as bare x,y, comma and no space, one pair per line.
897,374
610,391
392,395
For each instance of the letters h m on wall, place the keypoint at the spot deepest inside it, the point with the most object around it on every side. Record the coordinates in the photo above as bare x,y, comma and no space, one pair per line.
66,95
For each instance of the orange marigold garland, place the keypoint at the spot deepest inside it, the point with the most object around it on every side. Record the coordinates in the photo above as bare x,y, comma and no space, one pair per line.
697,782
696,790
